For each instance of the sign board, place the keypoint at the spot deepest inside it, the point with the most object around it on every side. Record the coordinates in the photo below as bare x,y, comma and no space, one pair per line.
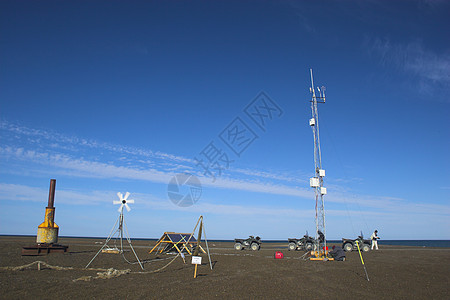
196,260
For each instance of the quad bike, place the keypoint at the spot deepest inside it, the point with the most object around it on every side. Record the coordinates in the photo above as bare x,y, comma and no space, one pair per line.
306,243
252,242
349,244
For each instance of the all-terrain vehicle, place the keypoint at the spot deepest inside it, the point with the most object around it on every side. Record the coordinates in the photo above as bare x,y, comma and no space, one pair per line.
306,243
252,242
349,244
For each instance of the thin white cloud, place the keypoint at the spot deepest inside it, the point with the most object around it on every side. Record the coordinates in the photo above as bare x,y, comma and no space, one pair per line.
88,169
165,162
133,163
146,168
62,141
303,19
391,204
425,63
85,168
432,69
18,192
271,175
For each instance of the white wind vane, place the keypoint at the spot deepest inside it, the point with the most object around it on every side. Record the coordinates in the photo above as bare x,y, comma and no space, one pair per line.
121,231
123,201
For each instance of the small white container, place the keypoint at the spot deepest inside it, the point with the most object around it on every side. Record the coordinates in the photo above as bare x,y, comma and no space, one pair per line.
314,182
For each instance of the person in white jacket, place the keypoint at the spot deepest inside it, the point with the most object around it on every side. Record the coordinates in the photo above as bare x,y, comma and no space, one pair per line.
374,237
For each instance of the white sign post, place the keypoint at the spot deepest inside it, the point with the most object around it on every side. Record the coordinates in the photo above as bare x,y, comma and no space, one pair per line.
196,260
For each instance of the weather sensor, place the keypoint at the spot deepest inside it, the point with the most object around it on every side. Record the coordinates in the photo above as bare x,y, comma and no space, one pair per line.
118,233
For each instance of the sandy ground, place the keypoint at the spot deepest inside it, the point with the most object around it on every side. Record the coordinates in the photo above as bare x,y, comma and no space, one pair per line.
394,273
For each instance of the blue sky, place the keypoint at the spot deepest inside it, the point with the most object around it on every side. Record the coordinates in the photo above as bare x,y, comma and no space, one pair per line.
117,96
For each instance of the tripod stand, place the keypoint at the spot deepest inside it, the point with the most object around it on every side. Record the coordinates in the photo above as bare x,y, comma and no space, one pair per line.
120,232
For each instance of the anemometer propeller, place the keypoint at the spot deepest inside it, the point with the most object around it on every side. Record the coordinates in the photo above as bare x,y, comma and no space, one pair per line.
123,201
121,231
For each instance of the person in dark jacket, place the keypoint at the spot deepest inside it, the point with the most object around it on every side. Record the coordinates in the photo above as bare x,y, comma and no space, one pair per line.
337,253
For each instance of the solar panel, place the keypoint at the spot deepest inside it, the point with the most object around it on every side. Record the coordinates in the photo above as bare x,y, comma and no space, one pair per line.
181,237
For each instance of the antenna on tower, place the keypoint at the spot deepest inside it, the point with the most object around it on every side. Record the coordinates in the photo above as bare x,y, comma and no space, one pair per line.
316,182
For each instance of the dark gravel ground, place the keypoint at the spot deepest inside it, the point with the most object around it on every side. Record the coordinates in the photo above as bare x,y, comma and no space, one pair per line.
394,272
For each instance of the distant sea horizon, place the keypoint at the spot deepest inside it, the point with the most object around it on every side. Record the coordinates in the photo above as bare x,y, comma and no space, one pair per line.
414,243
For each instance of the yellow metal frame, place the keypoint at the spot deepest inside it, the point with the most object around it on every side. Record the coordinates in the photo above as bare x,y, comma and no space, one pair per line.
165,239
320,256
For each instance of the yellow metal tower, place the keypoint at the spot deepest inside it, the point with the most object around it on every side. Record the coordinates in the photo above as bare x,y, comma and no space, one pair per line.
48,230
47,235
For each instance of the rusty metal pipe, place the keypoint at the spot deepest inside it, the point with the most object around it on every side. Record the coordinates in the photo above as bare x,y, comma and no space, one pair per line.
48,230
51,193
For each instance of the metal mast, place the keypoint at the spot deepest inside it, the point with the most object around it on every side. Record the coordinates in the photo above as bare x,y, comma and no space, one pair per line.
120,231
317,181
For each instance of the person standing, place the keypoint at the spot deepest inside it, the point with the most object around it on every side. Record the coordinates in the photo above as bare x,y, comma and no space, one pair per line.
374,237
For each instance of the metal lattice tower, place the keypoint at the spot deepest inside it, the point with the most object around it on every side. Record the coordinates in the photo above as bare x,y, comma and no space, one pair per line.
317,181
